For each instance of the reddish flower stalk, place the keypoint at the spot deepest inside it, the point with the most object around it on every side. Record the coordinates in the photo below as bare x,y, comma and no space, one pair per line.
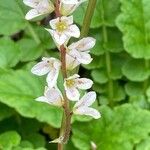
67,127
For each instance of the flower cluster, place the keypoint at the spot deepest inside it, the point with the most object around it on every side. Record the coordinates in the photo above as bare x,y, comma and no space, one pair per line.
62,29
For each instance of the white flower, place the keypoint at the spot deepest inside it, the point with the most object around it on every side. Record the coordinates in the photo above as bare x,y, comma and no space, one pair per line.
69,6
52,96
73,84
40,7
50,66
80,50
82,106
62,29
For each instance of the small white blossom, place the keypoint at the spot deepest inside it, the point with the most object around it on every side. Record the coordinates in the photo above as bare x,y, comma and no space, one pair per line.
39,7
82,106
50,66
73,84
69,6
62,29
52,96
80,50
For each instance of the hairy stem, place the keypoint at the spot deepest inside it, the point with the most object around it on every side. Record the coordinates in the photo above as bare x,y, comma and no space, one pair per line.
107,57
88,18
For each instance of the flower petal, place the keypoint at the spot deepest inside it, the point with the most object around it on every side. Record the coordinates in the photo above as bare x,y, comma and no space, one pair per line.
53,23
54,96
87,100
84,44
52,77
32,14
87,111
75,76
45,6
41,68
68,20
31,3
71,62
82,57
57,37
72,94
84,83
73,31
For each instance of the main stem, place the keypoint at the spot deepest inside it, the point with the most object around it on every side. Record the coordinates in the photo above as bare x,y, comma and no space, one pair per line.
66,120
88,18
108,58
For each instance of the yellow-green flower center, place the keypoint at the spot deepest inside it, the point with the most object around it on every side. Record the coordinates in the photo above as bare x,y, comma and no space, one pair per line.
70,83
61,26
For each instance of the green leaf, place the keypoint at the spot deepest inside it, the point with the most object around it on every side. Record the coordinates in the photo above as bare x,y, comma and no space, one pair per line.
144,144
134,89
111,10
115,130
139,101
99,76
135,70
9,53
9,139
19,89
134,23
12,17
30,50
5,111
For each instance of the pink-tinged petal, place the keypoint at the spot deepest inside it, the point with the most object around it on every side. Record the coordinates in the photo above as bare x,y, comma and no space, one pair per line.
57,64
73,31
57,37
71,62
67,20
45,6
74,53
53,23
41,68
54,96
67,9
84,58
75,76
72,94
87,111
84,44
52,77
32,14
31,3
87,100
84,83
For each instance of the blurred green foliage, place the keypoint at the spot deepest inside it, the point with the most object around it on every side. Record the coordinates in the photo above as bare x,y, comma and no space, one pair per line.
120,71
